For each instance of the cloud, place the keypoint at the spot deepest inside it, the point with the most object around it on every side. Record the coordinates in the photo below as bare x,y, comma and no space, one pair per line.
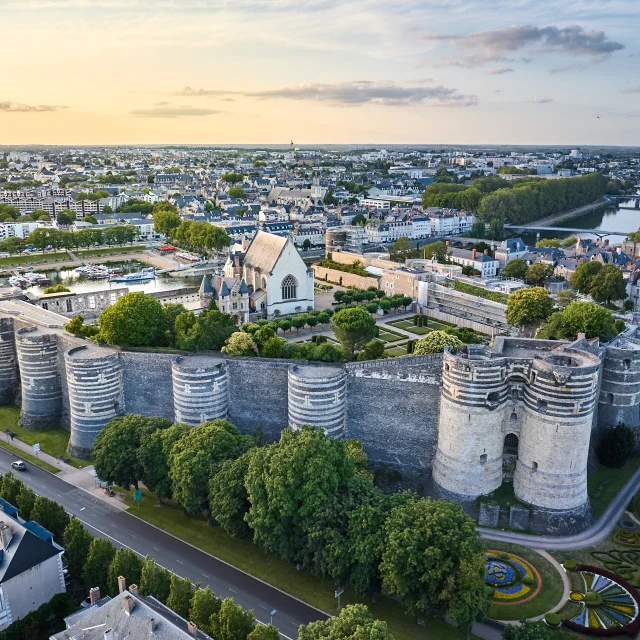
629,90
499,70
190,92
165,110
569,67
17,107
496,44
541,100
366,92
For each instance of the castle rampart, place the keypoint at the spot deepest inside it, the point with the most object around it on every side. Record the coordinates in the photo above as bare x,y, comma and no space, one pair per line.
8,364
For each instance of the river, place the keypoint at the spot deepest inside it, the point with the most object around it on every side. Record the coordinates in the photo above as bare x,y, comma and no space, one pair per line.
80,284
609,218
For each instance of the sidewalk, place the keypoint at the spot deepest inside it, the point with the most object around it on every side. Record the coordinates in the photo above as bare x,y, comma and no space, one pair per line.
84,478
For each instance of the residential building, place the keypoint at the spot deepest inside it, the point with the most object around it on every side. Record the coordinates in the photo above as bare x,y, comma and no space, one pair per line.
16,229
509,250
450,222
485,264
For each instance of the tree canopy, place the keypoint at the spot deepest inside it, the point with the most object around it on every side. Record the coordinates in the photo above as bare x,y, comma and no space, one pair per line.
435,342
529,307
579,317
353,327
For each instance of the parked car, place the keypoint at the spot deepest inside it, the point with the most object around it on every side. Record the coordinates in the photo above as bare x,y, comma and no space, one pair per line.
19,465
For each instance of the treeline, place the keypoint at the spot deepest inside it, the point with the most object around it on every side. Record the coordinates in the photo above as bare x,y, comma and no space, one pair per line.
310,500
200,236
517,201
95,562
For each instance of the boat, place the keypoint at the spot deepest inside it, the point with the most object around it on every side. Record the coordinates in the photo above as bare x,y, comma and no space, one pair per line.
138,276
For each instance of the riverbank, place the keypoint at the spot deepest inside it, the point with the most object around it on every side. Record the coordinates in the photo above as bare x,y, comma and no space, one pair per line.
558,217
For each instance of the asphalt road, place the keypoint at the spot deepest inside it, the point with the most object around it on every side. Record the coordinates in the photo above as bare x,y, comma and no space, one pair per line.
590,536
127,531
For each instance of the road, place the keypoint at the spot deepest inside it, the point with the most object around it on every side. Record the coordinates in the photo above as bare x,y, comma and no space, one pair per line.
594,534
125,530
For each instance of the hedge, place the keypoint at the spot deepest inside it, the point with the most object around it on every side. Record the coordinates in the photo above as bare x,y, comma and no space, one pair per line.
494,296
553,619
569,565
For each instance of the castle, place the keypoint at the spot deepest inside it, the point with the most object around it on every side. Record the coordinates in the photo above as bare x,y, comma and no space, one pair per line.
454,424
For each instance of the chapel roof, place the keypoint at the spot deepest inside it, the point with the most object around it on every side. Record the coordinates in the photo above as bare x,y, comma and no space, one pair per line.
264,251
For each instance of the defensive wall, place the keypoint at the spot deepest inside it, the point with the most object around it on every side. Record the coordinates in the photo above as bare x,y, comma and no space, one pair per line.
344,278
526,410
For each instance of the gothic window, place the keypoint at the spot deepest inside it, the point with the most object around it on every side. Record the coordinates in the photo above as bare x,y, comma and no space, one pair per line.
69,306
289,286
264,284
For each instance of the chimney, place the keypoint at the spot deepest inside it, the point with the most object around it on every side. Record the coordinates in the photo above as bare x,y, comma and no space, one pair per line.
473,254
486,252
192,629
447,243
129,604
122,584
94,595
152,625
109,635
5,535
133,589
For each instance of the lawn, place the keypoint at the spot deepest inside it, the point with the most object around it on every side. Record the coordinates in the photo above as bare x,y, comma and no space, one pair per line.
397,350
390,336
26,457
550,593
52,441
62,256
244,555
606,483
408,325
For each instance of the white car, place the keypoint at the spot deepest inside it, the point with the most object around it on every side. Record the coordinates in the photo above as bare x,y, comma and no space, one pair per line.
19,465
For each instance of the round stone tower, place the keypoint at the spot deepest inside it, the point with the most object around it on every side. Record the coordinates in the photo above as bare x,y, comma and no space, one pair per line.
200,389
40,375
8,368
559,402
317,396
620,389
94,379
468,460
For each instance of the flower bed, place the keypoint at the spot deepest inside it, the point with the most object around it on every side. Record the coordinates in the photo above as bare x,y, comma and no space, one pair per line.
514,580
608,604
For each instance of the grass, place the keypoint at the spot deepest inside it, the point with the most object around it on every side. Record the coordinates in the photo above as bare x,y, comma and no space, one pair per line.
503,496
26,457
397,350
62,256
408,325
108,251
550,593
244,555
606,483
389,336
52,441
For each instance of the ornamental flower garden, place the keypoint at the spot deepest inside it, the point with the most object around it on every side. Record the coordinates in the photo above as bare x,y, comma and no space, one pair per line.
512,578
603,602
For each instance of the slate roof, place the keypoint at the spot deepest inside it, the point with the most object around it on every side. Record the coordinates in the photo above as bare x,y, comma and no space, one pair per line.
264,251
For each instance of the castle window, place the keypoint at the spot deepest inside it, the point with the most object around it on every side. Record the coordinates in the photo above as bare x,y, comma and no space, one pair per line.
483,458
494,396
69,306
627,364
446,367
514,393
511,441
289,286
610,398
514,416
535,467
542,405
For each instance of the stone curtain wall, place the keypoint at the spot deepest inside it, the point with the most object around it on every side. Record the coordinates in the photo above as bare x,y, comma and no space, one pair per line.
344,278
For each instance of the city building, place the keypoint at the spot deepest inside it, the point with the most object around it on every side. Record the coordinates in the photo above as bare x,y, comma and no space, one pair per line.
485,264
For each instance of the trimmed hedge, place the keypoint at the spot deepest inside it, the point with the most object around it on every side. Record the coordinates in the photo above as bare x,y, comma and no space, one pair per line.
569,565
494,296
553,619
528,580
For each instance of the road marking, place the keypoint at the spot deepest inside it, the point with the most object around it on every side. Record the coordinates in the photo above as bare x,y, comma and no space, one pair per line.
232,591
205,575
180,561
263,607
156,548
83,508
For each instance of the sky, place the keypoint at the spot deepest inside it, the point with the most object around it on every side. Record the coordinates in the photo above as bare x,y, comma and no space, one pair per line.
320,71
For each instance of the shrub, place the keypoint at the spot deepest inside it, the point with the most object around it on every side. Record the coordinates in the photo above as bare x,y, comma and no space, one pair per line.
435,342
569,565
503,556
528,580
553,619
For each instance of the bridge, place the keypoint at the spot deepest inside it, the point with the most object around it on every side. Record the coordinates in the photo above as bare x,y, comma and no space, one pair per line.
596,232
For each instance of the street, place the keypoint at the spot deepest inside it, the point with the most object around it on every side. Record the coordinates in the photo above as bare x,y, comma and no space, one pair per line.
125,530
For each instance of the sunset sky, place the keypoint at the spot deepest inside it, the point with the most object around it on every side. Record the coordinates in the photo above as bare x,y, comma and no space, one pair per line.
320,71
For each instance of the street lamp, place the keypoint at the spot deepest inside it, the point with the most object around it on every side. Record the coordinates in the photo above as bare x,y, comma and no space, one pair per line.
273,613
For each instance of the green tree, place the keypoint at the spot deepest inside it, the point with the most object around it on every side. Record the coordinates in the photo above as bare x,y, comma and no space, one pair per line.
329,199
359,220
584,273
353,623
180,594
194,457
373,350
565,298
435,342
66,218
289,483
232,178
135,320
402,248
434,560
204,606
77,542
528,307
96,568
10,487
51,516
153,456
353,328
528,630
155,581
25,501
228,498
264,632
537,274
13,245
549,242
165,221
240,344
115,452
608,284
437,250
232,622
579,317
237,192
616,446
516,268
125,563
